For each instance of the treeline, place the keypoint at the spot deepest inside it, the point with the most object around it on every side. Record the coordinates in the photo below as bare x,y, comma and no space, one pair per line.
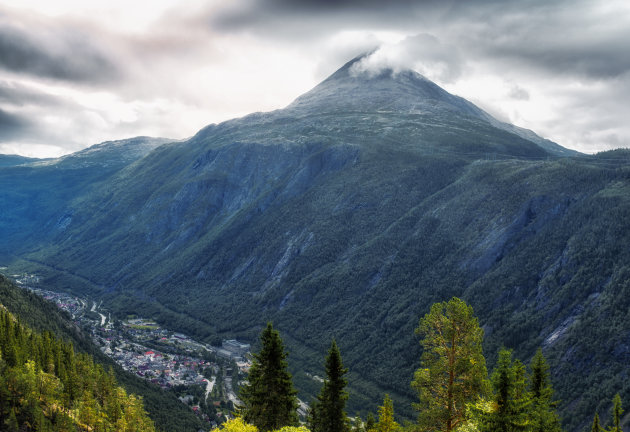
46,386
455,392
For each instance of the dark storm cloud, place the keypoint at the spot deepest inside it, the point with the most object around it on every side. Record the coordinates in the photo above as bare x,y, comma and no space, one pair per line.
580,39
16,94
561,37
12,126
57,52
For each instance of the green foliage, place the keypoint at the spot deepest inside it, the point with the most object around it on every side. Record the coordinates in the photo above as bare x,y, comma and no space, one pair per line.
596,426
386,422
45,317
511,399
46,386
453,369
238,425
269,399
617,411
328,411
543,414
370,422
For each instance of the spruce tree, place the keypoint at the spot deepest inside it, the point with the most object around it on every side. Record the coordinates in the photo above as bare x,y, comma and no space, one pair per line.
269,399
511,399
543,415
370,422
386,422
596,426
327,412
616,412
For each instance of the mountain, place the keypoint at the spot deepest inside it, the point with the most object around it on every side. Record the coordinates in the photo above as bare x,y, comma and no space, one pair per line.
13,160
35,192
348,214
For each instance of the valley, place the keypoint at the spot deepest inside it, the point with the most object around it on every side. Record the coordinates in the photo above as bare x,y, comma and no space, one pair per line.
170,360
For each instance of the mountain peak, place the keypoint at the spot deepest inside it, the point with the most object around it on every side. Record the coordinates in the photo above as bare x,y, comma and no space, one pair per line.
358,87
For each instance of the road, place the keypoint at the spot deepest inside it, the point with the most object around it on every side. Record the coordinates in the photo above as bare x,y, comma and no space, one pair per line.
210,385
103,317
230,392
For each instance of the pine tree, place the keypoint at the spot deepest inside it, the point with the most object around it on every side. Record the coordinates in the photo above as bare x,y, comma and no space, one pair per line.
453,368
616,412
596,426
386,422
327,412
370,422
543,415
269,399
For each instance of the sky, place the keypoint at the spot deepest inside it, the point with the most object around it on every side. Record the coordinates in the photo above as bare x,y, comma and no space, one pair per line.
75,73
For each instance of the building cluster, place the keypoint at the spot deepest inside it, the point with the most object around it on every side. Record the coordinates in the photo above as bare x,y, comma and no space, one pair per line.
233,350
162,369
142,347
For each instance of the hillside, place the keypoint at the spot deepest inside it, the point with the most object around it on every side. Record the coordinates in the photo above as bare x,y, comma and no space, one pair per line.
36,192
43,317
348,214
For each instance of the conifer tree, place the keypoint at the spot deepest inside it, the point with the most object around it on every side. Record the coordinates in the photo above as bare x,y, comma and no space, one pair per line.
596,426
269,399
370,422
327,412
386,422
543,415
511,399
616,412
453,368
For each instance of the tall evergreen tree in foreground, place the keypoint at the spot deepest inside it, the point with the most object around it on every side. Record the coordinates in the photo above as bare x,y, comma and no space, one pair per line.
543,414
511,399
616,412
269,399
453,368
327,412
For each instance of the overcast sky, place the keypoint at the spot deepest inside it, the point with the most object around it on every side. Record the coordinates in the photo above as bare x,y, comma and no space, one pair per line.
74,73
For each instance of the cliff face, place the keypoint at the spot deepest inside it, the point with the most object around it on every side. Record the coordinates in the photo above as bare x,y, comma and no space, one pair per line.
347,214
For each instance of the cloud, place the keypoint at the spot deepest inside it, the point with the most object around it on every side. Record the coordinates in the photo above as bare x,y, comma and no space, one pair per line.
18,95
518,93
58,52
12,126
581,39
423,53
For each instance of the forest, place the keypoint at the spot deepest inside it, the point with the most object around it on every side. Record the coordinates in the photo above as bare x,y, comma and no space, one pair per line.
46,386
455,392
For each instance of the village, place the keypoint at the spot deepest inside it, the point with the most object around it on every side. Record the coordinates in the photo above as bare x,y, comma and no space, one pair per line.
203,376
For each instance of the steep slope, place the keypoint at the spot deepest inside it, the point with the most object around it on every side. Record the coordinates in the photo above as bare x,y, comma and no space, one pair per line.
347,214
36,192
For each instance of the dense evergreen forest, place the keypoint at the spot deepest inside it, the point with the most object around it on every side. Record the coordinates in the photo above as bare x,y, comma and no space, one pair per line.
44,317
45,386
